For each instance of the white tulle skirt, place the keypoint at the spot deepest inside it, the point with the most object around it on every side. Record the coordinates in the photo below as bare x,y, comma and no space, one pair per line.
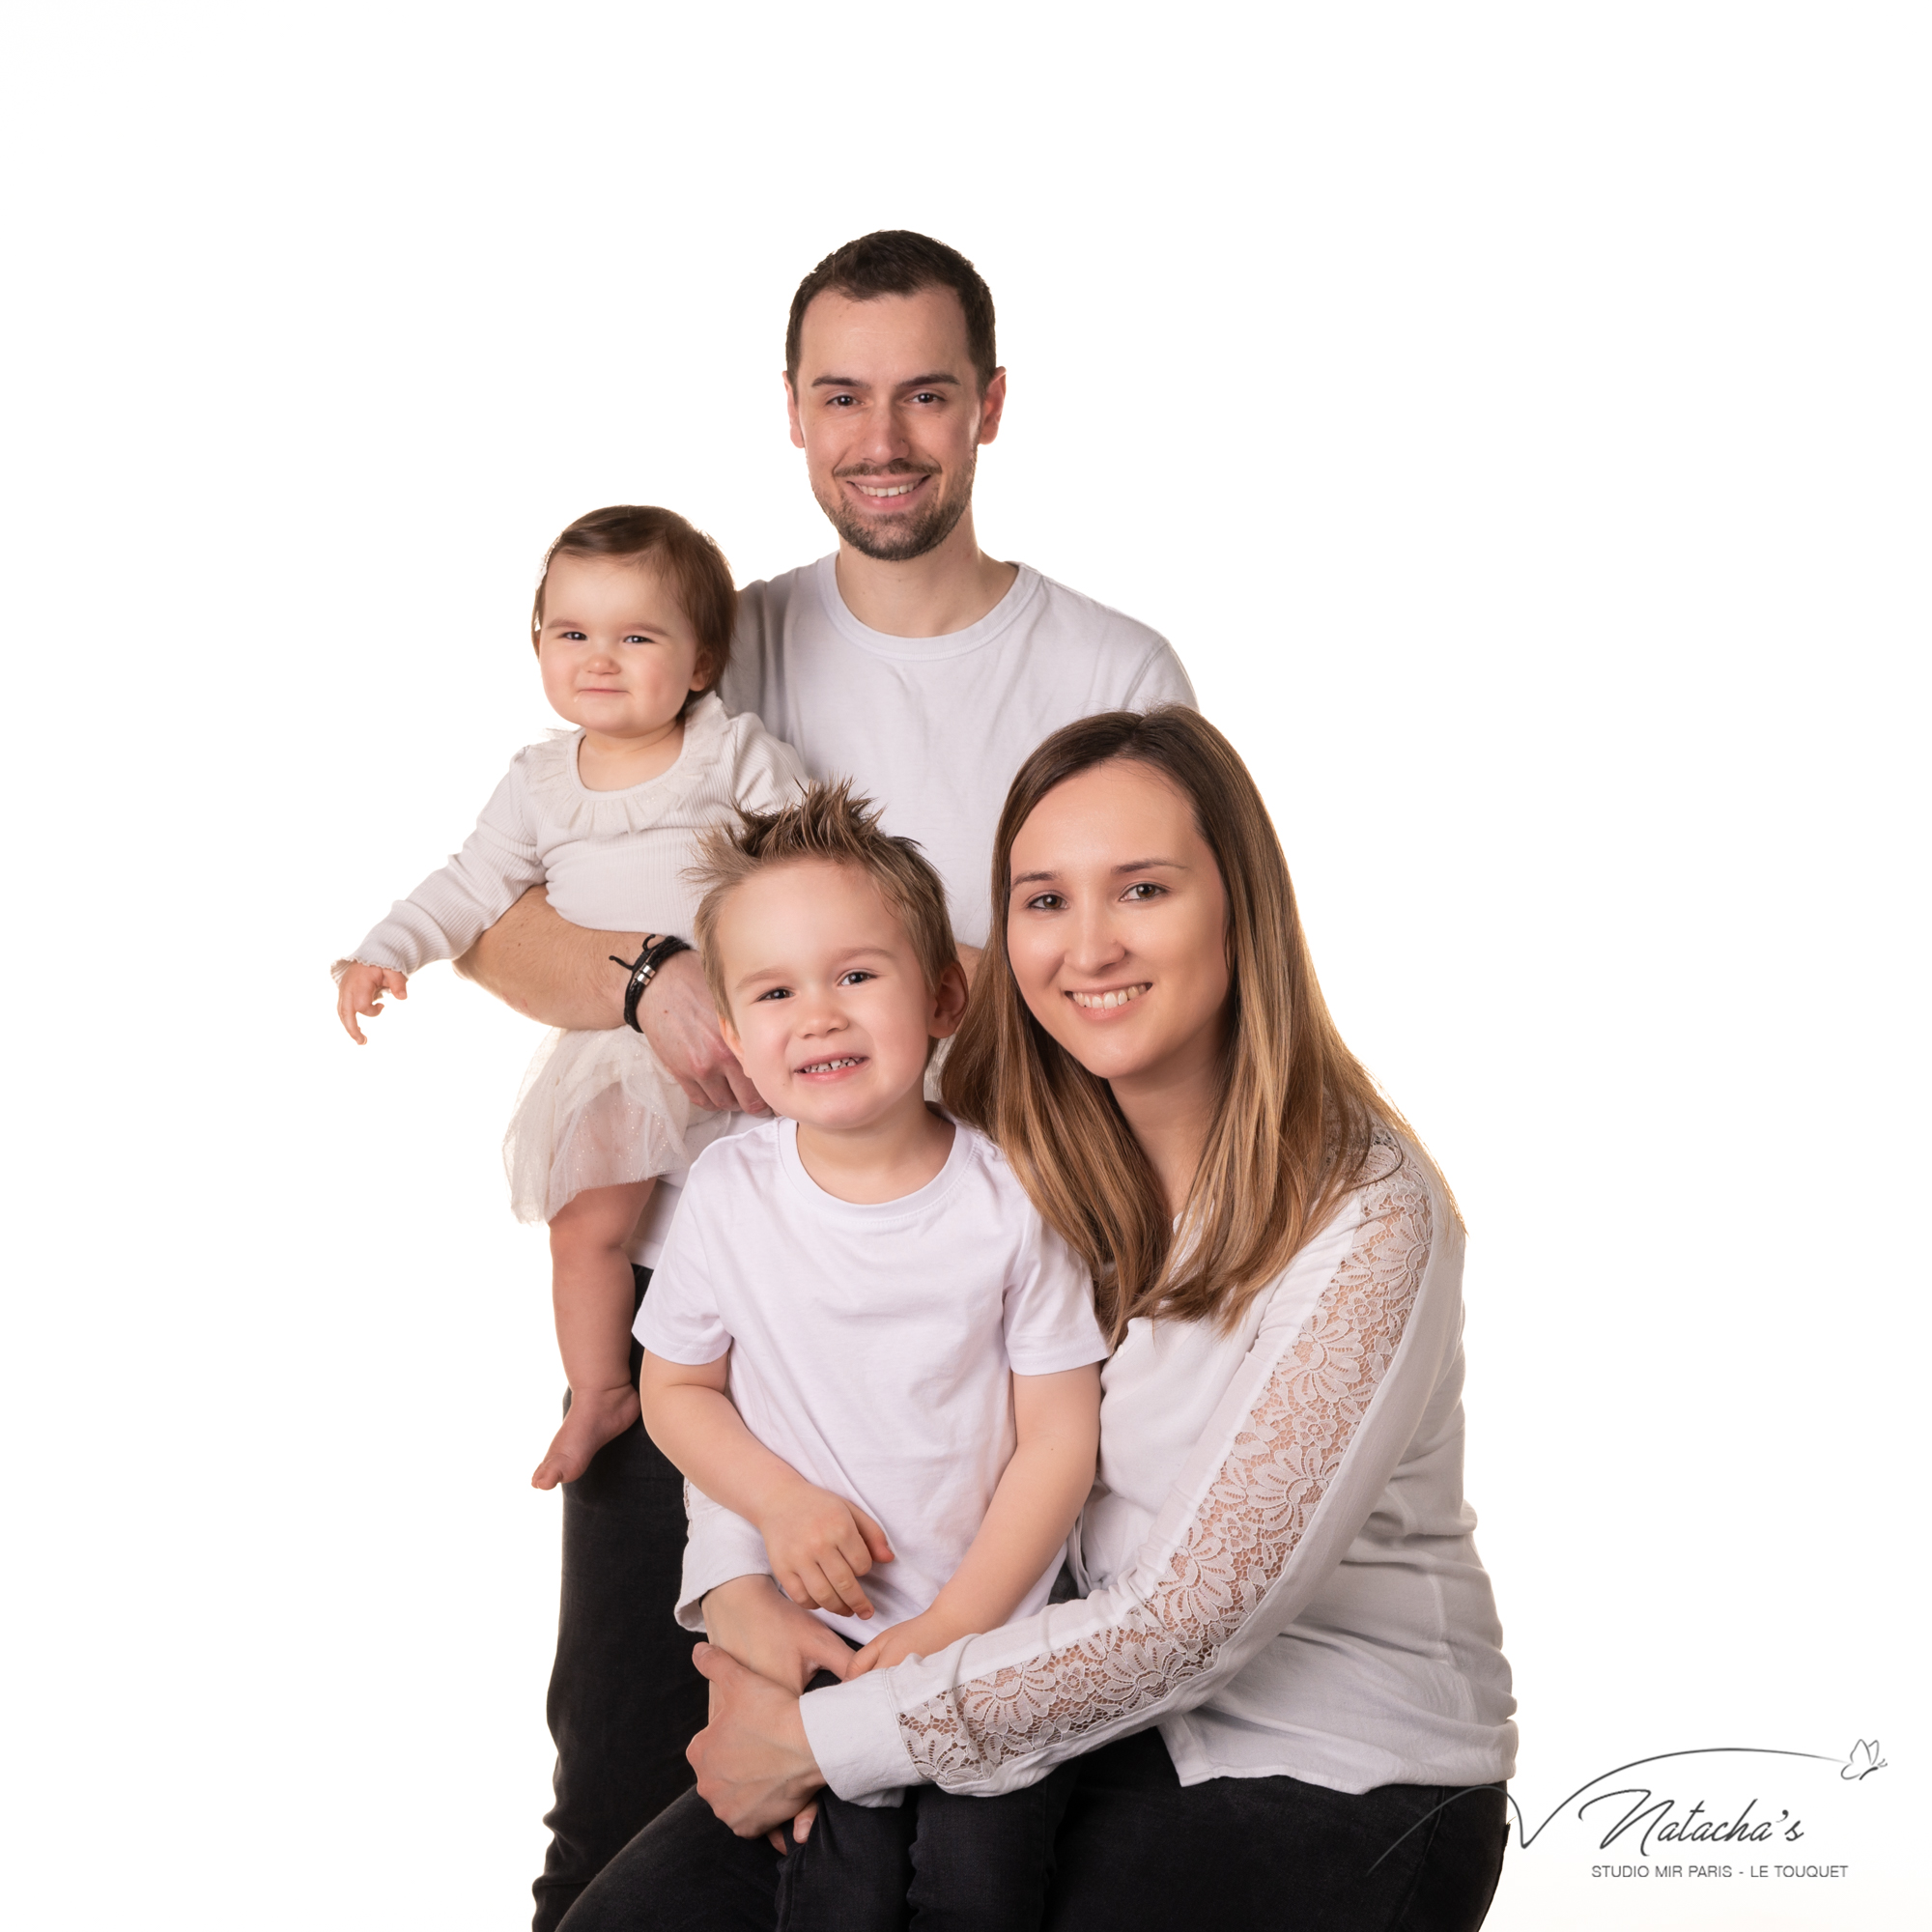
596,1110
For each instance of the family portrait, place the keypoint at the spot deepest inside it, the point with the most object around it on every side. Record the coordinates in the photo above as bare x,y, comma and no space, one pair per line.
1127,1377
999,936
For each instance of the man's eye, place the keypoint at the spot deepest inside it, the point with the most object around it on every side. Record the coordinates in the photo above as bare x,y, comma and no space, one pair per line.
925,396
839,402
856,978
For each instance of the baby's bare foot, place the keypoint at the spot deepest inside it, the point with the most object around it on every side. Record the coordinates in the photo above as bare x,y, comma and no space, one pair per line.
594,1417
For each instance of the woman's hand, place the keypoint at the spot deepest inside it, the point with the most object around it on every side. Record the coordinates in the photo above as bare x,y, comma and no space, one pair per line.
361,990
755,1766
769,1634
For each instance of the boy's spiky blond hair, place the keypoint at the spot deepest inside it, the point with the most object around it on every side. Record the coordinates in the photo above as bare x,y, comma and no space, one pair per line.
830,824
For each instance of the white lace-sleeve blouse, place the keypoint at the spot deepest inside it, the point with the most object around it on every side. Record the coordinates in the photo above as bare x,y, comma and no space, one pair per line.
1278,1562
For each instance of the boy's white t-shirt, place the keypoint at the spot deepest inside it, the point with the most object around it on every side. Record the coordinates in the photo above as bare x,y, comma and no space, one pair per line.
871,1344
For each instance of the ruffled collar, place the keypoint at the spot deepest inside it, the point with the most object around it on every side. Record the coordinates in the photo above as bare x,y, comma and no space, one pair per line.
550,771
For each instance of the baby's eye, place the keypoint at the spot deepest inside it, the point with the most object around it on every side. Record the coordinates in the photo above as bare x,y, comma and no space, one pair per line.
636,637
571,636
1045,903
1140,892
856,978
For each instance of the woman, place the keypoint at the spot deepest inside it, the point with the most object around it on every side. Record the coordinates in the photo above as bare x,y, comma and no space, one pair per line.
1283,1683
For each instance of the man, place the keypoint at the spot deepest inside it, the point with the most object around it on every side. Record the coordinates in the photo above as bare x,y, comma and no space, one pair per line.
925,670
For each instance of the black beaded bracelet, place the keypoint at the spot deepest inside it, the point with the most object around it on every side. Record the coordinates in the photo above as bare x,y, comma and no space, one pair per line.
643,969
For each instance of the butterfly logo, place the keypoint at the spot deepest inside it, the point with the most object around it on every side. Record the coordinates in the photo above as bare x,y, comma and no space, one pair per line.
1863,1762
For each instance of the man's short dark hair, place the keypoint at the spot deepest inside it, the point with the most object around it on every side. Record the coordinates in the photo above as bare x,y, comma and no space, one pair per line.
897,262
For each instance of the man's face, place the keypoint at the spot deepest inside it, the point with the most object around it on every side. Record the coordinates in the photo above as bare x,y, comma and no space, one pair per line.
888,409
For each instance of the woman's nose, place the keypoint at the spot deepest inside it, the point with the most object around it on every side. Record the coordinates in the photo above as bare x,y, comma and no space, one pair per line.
1096,944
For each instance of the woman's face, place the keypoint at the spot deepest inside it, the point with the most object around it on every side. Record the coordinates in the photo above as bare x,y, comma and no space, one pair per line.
1115,928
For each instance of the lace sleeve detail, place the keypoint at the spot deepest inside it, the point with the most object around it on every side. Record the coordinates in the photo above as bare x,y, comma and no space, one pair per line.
1196,1618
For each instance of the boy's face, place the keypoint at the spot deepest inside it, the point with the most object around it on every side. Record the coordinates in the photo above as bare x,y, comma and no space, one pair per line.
829,1010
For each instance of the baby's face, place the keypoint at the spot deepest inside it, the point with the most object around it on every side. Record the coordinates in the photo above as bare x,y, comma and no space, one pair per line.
828,1009
617,654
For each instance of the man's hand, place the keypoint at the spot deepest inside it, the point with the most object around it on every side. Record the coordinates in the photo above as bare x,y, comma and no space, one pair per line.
361,990
681,1023
766,1631
819,1546
754,1766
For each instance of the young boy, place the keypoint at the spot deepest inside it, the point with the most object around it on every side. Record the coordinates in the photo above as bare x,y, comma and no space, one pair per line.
862,1338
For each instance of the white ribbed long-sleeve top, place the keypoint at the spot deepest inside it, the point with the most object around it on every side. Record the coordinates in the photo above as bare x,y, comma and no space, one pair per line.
1278,1561
612,861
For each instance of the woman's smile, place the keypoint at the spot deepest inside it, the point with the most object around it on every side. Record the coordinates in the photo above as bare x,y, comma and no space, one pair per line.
1109,999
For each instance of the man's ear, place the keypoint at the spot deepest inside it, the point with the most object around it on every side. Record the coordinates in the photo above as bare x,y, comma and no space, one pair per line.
949,1002
791,411
991,405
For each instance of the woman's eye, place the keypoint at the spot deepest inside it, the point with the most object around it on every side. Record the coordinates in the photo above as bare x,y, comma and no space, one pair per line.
1144,890
1045,903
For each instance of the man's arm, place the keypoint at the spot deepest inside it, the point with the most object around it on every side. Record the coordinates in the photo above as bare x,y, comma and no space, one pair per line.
537,962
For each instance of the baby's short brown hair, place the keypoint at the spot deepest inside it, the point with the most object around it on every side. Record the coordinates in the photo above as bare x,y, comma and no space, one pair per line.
700,577
830,823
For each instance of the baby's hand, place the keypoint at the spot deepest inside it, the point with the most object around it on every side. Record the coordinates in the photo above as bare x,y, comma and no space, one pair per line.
819,1546
360,991
923,1636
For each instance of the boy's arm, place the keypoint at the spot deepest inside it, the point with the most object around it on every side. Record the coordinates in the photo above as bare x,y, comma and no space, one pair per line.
819,1544
1057,1419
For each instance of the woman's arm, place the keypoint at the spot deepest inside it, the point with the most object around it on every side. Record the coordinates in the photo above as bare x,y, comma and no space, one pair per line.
819,1545
1048,1477
1298,1456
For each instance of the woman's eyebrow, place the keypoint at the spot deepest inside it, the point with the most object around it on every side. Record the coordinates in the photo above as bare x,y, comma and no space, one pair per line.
1148,865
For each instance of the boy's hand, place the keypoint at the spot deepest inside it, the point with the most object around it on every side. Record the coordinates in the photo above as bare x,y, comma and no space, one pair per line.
361,990
923,1636
819,1547
771,1634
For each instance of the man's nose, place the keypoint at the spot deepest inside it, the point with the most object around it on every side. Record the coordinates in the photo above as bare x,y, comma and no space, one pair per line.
883,437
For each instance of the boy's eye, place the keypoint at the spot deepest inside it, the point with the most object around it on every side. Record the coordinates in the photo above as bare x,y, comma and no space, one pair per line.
856,978
775,993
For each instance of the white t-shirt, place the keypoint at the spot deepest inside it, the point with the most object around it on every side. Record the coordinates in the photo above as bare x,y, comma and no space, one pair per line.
934,728
931,729
871,1344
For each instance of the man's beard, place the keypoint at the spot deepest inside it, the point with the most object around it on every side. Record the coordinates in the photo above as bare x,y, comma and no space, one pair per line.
908,537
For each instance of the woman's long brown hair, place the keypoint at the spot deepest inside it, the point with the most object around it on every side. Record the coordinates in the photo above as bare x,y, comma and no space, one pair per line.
1293,1131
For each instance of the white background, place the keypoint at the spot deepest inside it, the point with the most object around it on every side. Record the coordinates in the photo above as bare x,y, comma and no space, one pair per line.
1517,416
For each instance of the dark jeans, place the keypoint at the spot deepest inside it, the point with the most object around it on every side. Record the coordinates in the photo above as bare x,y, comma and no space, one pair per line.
941,1862
1137,1849
624,1697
